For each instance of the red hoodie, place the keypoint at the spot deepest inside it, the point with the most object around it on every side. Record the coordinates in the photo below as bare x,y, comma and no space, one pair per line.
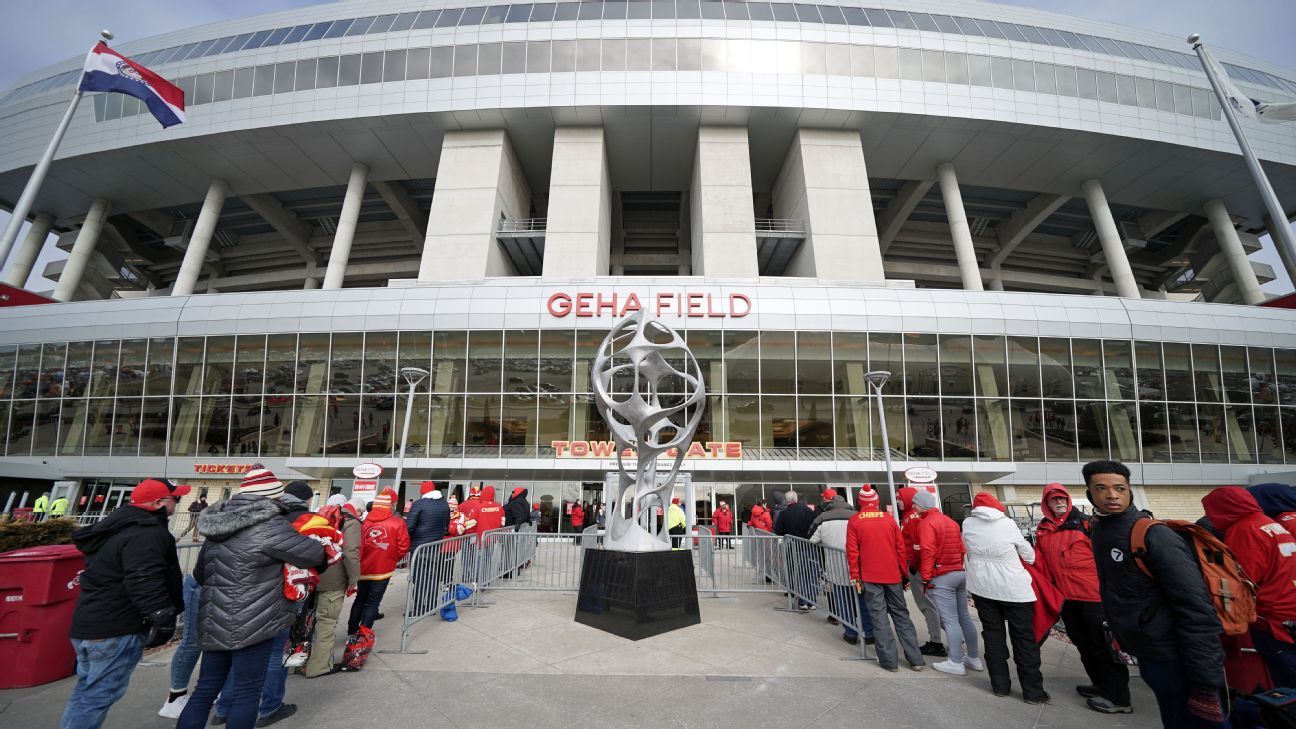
875,550
760,519
1262,546
1064,552
488,514
941,545
723,519
385,541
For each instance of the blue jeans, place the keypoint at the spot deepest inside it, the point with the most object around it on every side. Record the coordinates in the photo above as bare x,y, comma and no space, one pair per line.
247,666
843,595
1279,657
185,658
1170,684
276,681
103,669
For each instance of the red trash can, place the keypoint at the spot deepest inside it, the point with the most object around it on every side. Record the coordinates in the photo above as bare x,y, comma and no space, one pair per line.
38,591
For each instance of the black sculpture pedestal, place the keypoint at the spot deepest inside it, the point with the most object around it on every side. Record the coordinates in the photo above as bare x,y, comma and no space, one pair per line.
637,594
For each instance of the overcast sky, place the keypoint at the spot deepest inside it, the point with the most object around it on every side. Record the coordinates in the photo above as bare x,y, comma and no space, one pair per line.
1260,28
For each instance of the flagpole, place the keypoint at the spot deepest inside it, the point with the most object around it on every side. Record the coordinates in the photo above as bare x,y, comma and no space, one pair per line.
28,198
1281,228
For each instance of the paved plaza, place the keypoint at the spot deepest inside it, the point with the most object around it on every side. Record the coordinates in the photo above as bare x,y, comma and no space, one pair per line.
521,661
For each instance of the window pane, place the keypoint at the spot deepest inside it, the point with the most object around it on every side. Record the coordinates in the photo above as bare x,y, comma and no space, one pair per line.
442,61
380,363
1237,385
885,355
956,67
306,72
76,373
281,366
1087,84
850,363
482,426
1151,384
1164,96
349,70
1055,367
394,66
1027,430
933,63
993,438
309,416
518,427
1240,427
263,84
1125,93
991,370
214,430
130,371
426,19
663,54
371,65
1091,430
1119,370
339,27
910,64
1263,384
285,73
312,362
778,427
1023,76
446,426
1206,372
924,422
1087,358
1211,432
1154,433
555,364
814,364
1182,432
223,86
1268,435
1107,87
449,363
520,361
249,365
488,59
417,62
613,54
742,361
537,57
346,362
1066,81
1059,430
853,415
327,75
377,436
955,364
778,362
1145,92
588,54
360,26
979,70
414,350
484,361
886,62
465,61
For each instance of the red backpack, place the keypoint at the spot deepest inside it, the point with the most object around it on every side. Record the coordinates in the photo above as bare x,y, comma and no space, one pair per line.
1233,595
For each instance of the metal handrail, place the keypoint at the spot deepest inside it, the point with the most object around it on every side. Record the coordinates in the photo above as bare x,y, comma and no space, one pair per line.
523,225
780,225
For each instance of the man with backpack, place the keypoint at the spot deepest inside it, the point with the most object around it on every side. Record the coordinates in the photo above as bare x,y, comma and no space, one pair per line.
1267,552
1165,617
1064,552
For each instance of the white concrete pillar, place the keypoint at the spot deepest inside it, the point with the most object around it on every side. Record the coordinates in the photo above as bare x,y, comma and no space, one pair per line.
340,253
479,181
25,257
824,183
960,231
996,284
578,236
1113,249
200,239
311,283
1231,247
721,219
79,258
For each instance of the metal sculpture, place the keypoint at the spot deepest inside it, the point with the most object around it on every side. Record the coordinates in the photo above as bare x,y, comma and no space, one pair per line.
652,407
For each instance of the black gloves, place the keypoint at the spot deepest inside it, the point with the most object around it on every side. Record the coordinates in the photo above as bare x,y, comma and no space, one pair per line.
904,582
162,625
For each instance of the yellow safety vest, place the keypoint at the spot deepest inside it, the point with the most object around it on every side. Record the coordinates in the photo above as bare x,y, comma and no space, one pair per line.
59,507
41,505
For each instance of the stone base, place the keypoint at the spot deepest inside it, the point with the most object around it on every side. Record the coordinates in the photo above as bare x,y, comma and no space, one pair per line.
637,594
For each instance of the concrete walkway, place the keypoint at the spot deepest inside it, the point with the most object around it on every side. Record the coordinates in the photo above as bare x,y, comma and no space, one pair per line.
522,662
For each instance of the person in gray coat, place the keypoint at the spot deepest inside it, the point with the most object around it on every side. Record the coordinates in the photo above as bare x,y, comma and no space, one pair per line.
243,606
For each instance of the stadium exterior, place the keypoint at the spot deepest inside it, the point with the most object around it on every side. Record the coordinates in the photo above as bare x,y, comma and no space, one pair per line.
1038,224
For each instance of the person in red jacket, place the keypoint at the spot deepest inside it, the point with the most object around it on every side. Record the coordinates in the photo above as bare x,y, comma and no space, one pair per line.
723,520
909,521
577,519
940,564
879,570
760,517
1267,552
1064,553
385,541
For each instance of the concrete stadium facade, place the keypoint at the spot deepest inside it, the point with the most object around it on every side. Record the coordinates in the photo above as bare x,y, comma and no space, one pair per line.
1039,224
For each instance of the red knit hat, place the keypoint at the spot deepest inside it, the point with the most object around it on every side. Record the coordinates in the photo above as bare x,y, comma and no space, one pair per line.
426,487
262,482
985,499
828,494
868,498
385,500
675,501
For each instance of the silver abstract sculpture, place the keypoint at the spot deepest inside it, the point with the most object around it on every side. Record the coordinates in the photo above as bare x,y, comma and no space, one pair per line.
651,407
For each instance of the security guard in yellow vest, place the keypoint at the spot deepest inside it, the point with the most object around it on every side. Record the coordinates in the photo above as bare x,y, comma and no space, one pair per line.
41,506
59,507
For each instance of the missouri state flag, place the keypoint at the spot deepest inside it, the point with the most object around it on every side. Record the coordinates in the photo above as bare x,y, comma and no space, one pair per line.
108,70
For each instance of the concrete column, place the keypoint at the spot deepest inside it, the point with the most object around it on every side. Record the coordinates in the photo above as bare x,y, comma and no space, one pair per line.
1113,249
25,257
311,283
824,182
1231,247
721,219
578,237
479,180
79,258
960,231
200,239
340,253
996,284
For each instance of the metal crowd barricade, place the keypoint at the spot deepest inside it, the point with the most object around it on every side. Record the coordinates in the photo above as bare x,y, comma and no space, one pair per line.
188,556
534,561
818,575
502,555
764,552
725,563
431,583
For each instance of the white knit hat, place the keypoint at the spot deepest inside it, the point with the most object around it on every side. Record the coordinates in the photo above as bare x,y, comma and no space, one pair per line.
261,482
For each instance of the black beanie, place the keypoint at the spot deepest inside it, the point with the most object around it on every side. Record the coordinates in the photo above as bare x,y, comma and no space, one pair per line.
299,489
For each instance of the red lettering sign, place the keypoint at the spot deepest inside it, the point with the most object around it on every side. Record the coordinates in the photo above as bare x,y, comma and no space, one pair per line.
691,304
711,450
234,469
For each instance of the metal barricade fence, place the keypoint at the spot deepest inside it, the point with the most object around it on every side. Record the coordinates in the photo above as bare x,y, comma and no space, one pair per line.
527,560
724,563
188,556
431,583
818,575
764,552
502,555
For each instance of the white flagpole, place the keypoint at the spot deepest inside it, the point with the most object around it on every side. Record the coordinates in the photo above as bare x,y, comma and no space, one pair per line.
1281,231
28,198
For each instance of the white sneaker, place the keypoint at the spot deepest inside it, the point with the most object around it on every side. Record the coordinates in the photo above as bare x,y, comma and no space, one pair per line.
950,667
976,664
172,709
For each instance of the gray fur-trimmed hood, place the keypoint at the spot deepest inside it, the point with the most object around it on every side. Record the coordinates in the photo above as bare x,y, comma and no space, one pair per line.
224,519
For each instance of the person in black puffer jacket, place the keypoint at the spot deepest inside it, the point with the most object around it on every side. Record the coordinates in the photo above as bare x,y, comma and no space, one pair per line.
243,606
429,518
1166,621
130,596
517,512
